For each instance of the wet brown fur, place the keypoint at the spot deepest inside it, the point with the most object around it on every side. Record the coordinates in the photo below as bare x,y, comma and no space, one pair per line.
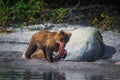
47,42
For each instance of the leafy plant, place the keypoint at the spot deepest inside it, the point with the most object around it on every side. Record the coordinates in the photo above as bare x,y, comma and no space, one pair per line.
55,15
25,12
95,21
4,15
36,5
105,22
21,12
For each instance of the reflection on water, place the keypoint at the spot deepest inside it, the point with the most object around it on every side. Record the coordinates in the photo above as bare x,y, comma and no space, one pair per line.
82,76
47,75
27,75
54,76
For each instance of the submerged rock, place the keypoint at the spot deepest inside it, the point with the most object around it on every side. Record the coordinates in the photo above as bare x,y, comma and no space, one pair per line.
85,44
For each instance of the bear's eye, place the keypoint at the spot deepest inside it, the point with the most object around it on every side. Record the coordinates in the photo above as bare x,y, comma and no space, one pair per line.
62,40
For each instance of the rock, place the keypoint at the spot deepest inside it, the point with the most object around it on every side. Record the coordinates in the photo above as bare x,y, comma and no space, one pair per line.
85,44
36,27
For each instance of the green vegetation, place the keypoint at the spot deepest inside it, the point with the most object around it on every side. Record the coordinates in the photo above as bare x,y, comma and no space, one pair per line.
54,15
22,13
4,14
106,22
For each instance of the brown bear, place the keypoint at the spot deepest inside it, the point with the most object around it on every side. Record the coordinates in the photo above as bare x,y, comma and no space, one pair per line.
47,42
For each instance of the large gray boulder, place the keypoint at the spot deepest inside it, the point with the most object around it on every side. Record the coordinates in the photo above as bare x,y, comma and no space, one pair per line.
85,44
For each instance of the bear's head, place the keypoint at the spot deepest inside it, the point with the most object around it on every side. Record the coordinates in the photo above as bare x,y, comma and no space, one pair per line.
63,36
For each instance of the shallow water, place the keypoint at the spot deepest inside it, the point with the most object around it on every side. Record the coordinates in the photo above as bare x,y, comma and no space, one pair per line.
12,67
47,75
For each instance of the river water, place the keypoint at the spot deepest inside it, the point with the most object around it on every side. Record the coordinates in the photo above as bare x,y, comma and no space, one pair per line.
12,67
47,75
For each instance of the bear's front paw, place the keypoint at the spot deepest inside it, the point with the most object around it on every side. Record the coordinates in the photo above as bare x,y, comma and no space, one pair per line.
23,56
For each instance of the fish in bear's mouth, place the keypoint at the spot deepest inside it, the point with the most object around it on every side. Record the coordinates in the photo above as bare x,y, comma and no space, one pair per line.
61,53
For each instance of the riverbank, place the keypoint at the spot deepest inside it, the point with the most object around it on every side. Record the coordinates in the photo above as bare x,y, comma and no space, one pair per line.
18,40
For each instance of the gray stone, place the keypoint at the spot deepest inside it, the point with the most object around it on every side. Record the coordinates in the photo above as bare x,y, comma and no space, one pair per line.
36,27
85,44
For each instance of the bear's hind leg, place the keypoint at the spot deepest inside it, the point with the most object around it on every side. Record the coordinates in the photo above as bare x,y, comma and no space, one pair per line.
30,50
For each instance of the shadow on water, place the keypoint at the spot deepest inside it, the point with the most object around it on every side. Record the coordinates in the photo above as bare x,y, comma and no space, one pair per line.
47,75
54,76
109,51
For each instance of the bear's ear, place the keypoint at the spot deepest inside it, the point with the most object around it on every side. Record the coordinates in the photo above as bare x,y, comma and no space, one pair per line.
69,33
61,32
